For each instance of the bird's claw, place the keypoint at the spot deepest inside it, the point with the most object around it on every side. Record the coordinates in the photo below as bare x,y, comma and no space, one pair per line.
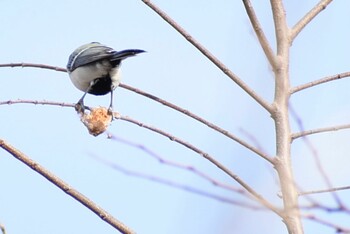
110,112
80,108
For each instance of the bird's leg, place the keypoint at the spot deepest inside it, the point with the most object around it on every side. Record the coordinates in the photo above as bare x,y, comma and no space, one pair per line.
110,108
80,107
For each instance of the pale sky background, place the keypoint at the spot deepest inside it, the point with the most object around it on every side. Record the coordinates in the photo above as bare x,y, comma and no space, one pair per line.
47,32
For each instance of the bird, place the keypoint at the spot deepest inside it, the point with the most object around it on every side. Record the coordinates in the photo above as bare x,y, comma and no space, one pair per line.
95,69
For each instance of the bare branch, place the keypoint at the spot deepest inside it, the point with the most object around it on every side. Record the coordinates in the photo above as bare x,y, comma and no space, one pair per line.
255,195
308,17
283,163
200,119
324,190
154,98
210,56
316,158
104,215
33,65
319,130
205,155
338,229
35,102
270,55
177,185
320,81
178,165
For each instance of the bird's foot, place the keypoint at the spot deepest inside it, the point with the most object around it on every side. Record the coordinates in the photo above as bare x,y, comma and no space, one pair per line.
110,112
80,108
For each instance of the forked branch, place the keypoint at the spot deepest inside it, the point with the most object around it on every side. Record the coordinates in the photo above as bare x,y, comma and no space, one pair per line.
210,56
270,55
154,98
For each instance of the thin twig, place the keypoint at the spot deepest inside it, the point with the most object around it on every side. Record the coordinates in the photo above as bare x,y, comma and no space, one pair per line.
324,190
320,81
176,185
104,215
35,102
33,65
270,55
167,162
316,157
200,119
163,102
254,194
210,56
319,130
308,17
338,229
205,155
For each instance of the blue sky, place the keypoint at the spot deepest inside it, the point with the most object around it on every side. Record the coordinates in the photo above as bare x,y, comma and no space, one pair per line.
46,32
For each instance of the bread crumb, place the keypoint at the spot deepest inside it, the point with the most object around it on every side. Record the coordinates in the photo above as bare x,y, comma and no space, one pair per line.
97,120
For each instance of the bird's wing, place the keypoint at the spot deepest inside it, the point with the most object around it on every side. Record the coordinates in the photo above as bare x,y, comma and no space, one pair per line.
120,55
93,53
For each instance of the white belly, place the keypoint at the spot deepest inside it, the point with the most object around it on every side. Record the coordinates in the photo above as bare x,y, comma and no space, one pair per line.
82,77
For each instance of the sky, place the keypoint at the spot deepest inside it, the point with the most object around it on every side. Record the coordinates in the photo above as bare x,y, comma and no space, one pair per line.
46,33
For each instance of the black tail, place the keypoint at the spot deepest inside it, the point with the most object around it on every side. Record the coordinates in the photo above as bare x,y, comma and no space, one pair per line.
120,55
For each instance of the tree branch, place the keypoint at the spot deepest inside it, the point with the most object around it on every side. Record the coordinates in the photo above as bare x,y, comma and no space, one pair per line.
210,56
60,69
254,194
270,55
205,155
154,98
320,81
177,185
200,119
324,190
319,130
337,228
177,165
308,17
104,215
283,162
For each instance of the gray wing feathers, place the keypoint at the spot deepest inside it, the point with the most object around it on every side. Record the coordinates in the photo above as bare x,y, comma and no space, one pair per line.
88,55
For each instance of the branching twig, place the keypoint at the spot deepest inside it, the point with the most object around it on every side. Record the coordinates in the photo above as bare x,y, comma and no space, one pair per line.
308,17
157,99
337,228
316,158
178,165
205,155
254,194
200,119
319,130
320,81
104,215
177,185
210,56
270,55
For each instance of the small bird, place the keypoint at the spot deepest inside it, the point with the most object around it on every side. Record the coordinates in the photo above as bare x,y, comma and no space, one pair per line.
95,68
